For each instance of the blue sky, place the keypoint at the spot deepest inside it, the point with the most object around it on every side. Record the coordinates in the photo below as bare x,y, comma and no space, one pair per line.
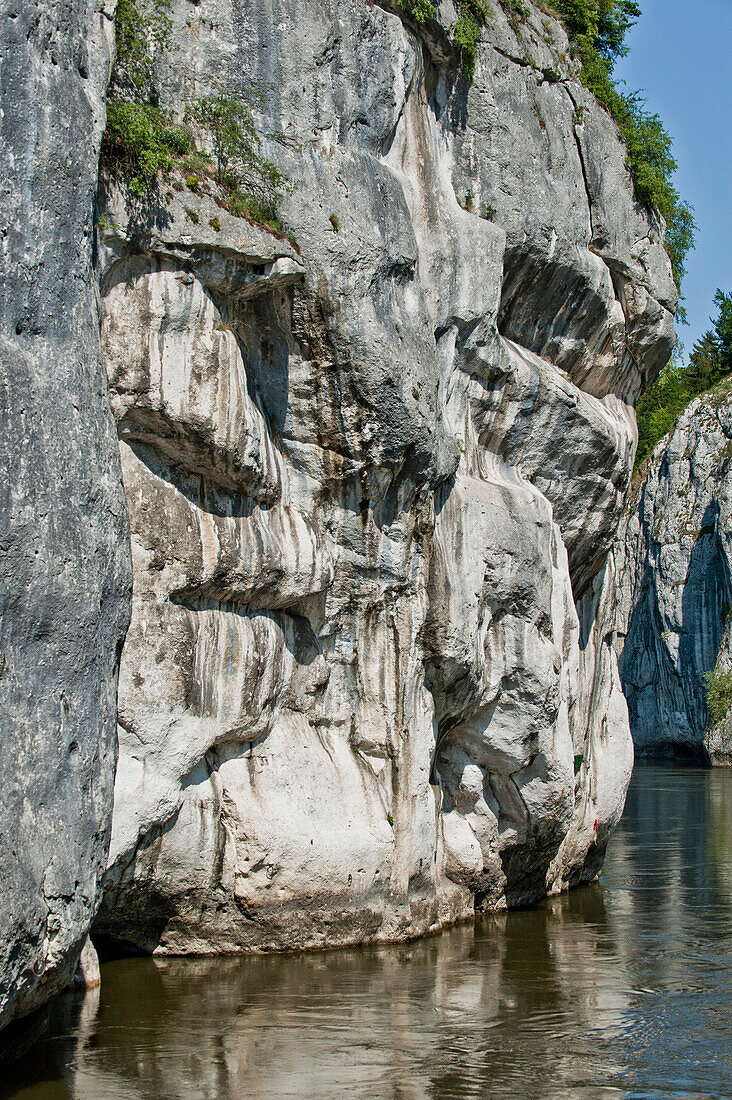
681,57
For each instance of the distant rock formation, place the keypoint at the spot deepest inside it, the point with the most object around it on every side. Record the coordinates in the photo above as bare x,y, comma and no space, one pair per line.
676,585
64,537
370,681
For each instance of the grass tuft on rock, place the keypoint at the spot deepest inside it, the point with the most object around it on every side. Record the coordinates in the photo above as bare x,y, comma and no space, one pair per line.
719,693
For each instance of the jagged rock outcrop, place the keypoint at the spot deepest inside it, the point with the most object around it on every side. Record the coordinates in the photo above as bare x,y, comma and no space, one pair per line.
64,538
675,582
373,481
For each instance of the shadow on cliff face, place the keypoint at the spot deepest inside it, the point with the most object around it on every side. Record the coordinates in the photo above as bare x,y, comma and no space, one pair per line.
706,602
42,1049
667,694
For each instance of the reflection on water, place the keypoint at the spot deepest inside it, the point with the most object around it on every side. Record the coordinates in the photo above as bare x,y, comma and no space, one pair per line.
622,989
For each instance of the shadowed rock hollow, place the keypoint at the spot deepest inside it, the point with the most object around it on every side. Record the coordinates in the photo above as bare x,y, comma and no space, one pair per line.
370,681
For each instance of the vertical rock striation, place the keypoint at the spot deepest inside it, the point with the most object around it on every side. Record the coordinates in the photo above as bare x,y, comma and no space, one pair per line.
676,585
373,482
64,557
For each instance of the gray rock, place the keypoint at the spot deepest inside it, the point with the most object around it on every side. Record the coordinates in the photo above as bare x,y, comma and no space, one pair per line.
64,557
676,585
370,680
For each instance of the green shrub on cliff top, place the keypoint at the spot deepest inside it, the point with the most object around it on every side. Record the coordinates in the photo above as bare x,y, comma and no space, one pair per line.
597,30
472,14
420,10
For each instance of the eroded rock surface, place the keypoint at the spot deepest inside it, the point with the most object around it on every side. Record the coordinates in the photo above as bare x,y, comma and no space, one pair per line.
676,585
373,482
64,538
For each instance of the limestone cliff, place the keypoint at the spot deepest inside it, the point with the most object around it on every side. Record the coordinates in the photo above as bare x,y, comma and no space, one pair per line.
373,483
676,585
64,537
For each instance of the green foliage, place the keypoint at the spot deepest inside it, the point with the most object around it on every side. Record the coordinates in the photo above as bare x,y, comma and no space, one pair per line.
419,10
472,14
142,27
515,8
141,141
256,182
603,23
597,28
719,693
244,205
465,36
710,361
723,329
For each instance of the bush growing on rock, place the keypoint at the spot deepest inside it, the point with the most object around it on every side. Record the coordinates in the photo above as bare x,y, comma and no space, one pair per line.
709,363
255,184
472,14
420,10
719,693
141,27
142,142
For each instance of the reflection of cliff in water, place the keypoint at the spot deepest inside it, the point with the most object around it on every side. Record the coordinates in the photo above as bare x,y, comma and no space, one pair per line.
470,1009
619,985
718,810
679,865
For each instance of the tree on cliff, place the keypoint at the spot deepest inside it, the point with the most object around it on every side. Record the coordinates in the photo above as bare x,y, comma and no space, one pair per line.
597,30
710,362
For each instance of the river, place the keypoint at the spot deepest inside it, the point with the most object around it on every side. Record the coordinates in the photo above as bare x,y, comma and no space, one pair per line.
621,989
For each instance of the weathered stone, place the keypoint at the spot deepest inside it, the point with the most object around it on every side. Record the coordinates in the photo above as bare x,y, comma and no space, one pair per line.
370,679
64,553
88,973
676,585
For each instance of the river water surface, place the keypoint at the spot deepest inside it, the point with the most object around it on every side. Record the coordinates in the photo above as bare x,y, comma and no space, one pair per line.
621,989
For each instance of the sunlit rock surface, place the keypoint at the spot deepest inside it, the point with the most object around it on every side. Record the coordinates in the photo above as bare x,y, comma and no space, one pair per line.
64,541
676,585
373,480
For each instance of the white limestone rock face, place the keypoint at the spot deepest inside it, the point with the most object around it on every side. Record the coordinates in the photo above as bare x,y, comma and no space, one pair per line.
370,680
675,547
65,572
